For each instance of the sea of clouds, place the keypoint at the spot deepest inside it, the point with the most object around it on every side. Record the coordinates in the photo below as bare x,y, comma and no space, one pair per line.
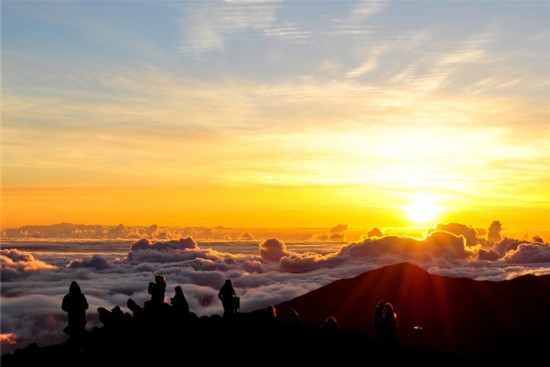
37,274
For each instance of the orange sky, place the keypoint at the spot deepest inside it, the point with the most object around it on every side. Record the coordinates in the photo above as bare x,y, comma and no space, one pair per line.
276,115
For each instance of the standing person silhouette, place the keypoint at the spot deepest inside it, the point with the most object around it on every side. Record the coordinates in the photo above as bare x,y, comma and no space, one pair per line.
75,304
293,317
378,319
227,295
157,290
179,302
390,323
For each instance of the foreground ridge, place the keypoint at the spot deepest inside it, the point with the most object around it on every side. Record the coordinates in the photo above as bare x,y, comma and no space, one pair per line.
487,322
243,339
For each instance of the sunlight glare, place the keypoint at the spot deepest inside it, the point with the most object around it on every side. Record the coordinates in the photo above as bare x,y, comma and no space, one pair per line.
422,212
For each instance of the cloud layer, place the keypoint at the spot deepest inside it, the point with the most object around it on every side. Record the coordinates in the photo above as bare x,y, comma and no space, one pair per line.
264,272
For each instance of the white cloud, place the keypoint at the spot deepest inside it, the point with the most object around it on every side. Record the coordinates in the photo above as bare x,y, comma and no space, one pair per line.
364,68
529,253
206,26
15,262
367,8
287,32
97,262
270,273
273,249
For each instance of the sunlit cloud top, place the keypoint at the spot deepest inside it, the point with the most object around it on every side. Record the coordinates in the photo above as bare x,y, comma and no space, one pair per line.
318,112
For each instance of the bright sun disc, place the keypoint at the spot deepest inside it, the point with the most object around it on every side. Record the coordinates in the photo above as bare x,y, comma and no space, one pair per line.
422,212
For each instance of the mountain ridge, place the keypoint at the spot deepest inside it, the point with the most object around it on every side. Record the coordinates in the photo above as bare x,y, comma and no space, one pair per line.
459,315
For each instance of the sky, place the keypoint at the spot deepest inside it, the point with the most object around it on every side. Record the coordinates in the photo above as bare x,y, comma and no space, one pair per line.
276,113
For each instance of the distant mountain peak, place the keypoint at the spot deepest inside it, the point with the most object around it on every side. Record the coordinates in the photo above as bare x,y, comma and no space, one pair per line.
457,314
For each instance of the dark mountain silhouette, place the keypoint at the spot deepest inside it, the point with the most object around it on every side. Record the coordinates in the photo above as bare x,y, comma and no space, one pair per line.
477,319
246,339
465,323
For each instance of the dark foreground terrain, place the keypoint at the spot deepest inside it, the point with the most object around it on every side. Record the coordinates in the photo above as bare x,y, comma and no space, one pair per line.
246,340
464,323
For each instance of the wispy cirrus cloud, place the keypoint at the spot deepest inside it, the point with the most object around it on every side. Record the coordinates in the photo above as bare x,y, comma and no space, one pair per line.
206,26
367,8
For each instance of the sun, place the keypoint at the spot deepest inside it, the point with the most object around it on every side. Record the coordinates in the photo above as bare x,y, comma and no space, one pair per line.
422,212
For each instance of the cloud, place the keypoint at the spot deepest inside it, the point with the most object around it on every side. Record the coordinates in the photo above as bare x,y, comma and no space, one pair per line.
364,68
96,262
375,232
367,8
246,236
528,253
287,32
270,272
493,233
507,244
438,243
469,233
8,338
336,233
205,27
490,255
371,63
446,243
273,249
301,263
146,246
16,262
338,229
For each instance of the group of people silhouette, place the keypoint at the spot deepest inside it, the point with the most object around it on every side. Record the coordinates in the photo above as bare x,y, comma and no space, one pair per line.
76,304
384,321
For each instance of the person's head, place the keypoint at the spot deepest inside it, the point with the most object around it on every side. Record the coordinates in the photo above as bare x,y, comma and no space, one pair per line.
74,288
179,291
389,307
159,279
117,311
104,314
381,303
331,323
228,283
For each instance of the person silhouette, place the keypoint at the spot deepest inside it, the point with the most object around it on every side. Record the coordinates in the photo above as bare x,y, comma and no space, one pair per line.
227,295
179,302
390,322
136,309
331,323
75,304
378,319
157,290
293,317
